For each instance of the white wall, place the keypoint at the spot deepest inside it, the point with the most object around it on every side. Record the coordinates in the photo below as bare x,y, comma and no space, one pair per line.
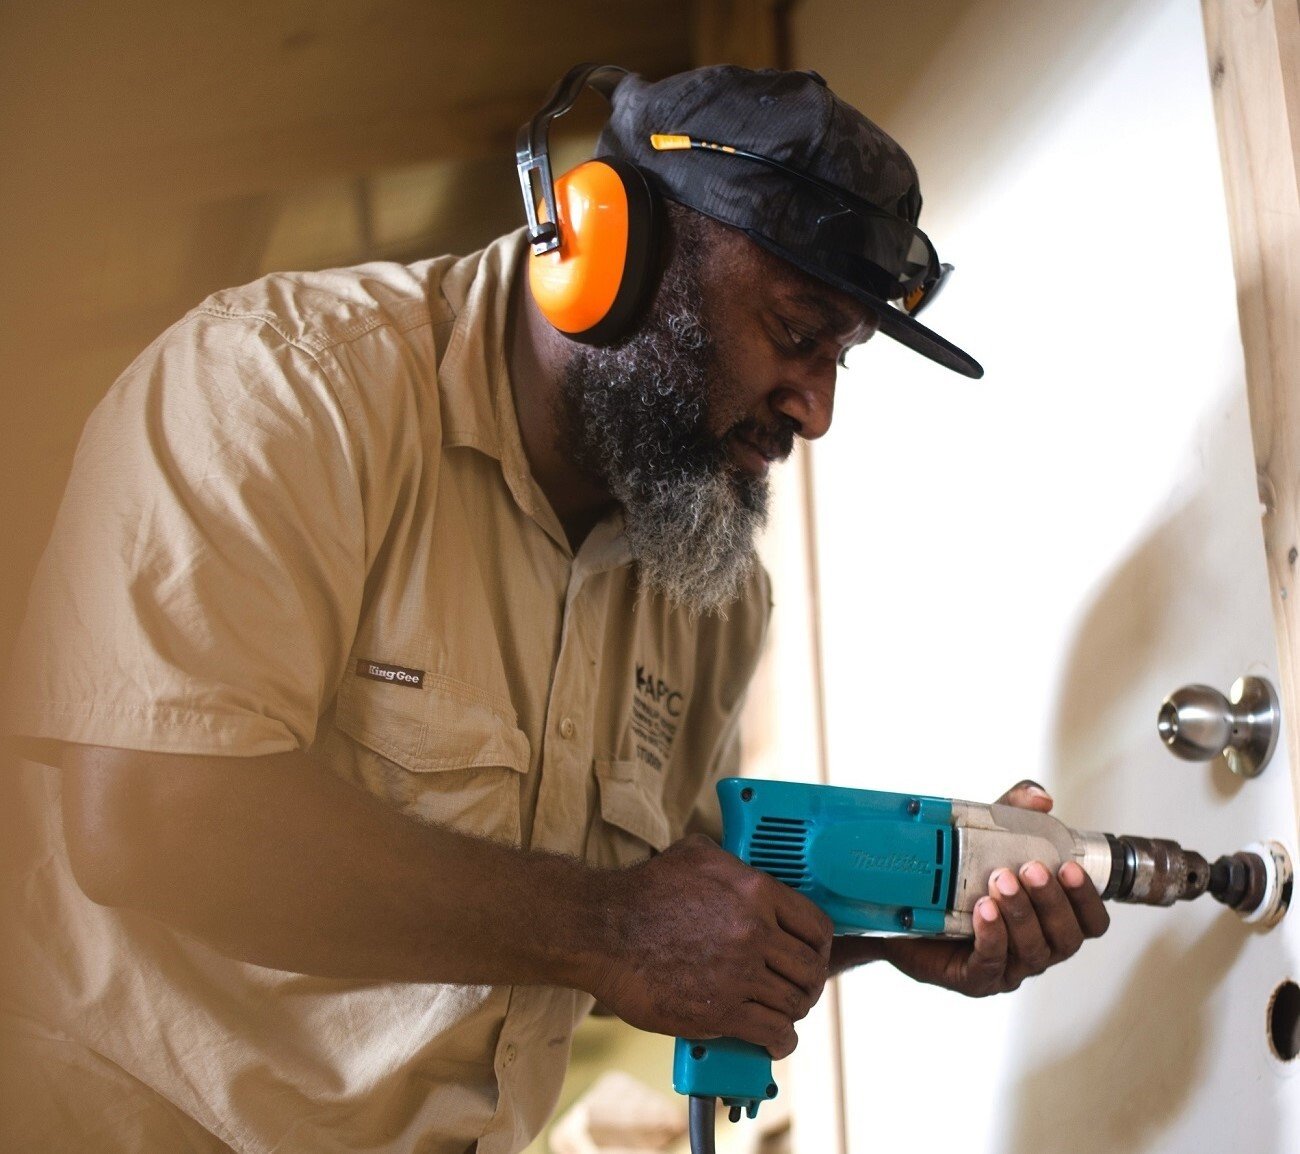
1094,282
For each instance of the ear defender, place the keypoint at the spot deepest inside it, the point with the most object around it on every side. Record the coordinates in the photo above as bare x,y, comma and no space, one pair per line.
594,234
593,286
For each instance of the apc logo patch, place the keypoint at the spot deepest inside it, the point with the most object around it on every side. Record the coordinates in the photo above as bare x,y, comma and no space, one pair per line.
656,706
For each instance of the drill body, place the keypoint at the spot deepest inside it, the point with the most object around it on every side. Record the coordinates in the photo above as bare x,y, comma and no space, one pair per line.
889,863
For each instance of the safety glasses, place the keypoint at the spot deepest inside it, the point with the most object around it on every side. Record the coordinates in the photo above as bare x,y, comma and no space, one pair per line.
824,227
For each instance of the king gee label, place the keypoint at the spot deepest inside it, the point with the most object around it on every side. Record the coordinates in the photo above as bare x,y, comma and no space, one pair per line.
394,674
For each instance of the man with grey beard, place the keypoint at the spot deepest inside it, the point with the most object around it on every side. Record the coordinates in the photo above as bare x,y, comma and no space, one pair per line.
635,418
390,641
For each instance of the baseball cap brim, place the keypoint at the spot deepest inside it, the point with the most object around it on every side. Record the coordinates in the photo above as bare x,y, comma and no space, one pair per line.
893,322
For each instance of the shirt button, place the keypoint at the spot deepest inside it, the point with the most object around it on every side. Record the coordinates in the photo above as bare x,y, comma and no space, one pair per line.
567,728
508,1055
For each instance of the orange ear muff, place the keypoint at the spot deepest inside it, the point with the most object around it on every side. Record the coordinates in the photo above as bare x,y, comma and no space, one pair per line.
593,286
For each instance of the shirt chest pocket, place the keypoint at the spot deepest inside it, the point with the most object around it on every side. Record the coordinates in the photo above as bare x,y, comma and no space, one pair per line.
445,752
630,823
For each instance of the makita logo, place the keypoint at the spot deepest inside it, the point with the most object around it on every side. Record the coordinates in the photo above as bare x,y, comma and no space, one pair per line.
395,674
894,863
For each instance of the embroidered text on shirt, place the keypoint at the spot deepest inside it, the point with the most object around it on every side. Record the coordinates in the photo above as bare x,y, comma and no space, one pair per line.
395,674
655,708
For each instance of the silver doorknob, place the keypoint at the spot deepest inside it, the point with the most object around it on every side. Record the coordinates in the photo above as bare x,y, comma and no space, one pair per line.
1198,723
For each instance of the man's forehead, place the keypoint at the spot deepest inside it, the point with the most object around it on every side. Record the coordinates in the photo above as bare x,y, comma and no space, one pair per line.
834,311
756,273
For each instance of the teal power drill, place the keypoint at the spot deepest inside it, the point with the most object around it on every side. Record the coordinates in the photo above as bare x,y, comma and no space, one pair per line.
892,863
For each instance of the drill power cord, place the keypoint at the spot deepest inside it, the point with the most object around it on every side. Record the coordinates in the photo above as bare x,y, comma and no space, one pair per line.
700,1122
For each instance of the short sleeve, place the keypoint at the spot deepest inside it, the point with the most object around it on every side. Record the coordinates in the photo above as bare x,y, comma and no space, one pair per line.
706,816
205,572
739,650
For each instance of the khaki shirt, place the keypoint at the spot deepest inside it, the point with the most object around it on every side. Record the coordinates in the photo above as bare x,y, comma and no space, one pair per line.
303,518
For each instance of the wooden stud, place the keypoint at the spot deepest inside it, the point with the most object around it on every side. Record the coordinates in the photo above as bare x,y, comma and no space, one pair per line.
1254,55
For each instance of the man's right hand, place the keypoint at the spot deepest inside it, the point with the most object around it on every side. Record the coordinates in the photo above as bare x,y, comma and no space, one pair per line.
707,946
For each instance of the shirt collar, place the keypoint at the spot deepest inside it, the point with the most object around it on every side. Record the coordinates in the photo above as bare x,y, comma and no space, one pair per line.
477,400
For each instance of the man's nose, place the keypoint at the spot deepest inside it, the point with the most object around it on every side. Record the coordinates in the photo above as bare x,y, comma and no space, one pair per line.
808,401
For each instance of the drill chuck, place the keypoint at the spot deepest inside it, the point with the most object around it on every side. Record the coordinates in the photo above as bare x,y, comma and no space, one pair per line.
1152,871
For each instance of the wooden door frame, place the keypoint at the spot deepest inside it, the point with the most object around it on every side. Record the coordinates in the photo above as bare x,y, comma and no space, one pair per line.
1254,58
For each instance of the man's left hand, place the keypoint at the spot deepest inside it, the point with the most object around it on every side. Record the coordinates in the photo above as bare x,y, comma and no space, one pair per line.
1028,922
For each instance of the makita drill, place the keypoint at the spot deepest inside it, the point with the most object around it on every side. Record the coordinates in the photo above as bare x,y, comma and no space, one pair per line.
896,863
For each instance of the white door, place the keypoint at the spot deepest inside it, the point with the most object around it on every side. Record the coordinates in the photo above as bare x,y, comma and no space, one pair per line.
1015,572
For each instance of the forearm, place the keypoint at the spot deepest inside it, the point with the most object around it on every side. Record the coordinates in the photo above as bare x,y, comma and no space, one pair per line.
277,861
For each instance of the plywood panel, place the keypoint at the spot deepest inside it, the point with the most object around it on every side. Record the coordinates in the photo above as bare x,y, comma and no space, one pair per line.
171,101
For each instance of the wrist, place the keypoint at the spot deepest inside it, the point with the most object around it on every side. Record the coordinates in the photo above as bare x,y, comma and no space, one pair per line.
580,938
847,952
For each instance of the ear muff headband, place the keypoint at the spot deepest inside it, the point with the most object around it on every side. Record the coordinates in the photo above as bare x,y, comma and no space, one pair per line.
593,244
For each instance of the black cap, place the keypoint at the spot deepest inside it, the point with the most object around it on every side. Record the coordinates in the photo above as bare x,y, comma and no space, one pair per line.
834,194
